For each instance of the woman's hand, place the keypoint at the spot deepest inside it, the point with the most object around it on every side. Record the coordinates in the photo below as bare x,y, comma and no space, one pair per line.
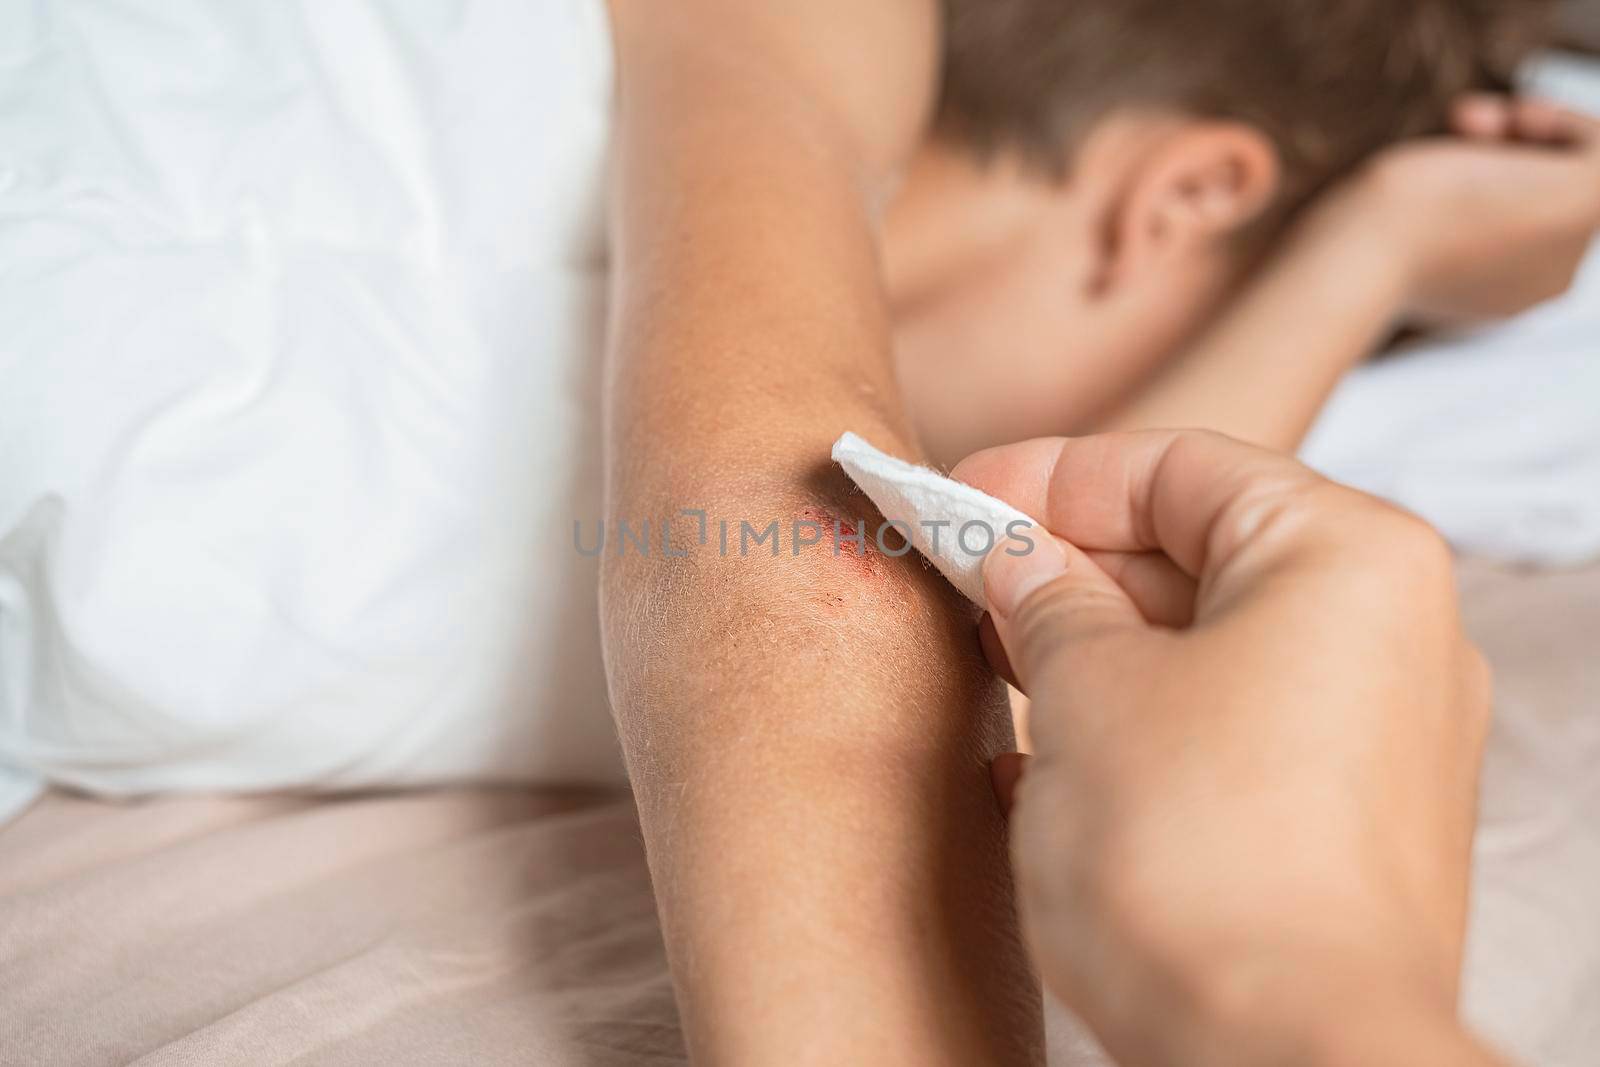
1245,835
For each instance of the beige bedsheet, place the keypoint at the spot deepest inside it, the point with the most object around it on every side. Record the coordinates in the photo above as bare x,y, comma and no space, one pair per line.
498,927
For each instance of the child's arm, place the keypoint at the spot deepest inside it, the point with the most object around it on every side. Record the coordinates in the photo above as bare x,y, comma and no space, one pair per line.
808,737
1439,231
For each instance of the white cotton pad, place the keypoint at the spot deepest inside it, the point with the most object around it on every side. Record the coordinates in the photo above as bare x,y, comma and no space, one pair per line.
952,524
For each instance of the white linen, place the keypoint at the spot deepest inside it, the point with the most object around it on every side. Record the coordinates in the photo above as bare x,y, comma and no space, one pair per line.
1493,436
299,338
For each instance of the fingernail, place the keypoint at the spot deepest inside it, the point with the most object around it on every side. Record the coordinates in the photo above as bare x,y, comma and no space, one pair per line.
1017,568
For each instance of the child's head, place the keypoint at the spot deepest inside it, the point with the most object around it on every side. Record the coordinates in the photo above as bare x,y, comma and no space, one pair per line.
1326,82
1163,143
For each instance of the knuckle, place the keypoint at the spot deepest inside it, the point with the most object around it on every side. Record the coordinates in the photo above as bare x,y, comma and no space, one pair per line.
1195,448
1415,547
1281,504
1297,510
1200,440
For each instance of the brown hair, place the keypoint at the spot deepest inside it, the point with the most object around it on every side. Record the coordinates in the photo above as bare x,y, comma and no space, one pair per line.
1330,81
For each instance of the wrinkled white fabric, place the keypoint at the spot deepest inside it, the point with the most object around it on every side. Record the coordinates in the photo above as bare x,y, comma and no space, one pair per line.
953,525
1493,436
299,350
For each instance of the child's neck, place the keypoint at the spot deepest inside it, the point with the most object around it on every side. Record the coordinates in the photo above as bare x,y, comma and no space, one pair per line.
951,216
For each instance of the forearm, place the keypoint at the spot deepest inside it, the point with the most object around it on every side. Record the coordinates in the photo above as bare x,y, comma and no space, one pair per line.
1264,370
807,735
809,760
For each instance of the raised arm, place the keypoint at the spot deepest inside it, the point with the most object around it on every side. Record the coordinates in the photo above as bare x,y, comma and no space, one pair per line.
1441,231
808,736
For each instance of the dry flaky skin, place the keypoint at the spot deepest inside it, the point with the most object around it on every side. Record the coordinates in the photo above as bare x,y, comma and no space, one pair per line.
808,736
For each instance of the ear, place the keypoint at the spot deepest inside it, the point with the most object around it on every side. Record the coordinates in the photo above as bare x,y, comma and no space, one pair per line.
1198,185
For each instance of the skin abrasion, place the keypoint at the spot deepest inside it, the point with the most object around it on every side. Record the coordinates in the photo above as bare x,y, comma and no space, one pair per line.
859,558
825,533
827,530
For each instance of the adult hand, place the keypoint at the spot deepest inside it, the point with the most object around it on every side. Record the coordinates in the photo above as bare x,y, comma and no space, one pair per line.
1245,834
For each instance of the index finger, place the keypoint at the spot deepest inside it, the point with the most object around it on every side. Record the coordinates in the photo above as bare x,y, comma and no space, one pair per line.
1188,493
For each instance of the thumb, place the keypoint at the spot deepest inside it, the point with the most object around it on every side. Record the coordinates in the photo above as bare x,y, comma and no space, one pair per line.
1047,598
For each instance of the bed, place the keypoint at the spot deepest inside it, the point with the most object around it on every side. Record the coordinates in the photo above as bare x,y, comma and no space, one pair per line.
499,927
